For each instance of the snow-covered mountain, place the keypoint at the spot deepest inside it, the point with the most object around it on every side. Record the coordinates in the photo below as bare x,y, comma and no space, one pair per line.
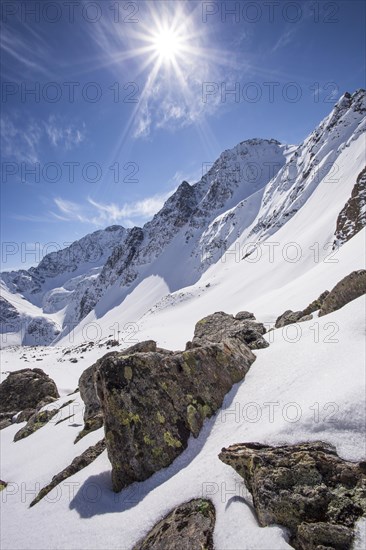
227,243
248,194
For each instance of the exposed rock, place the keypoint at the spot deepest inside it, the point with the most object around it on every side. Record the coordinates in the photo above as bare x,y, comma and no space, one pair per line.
80,462
10,319
153,401
189,526
25,415
315,304
40,330
321,536
36,421
307,488
220,325
112,343
349,288
305,318
25,389
244,315
93,417
289,317
352,217
6,419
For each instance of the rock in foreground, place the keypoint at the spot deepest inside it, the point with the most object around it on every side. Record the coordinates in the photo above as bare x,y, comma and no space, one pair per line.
153,401
307,488
93,417
189,526
26,389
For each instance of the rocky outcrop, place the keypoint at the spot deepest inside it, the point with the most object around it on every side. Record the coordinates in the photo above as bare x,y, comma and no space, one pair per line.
26,389
36,421
189,526
153,401
349,288
352,217
10,319
80,462
220,325
307,488
315,304
244,316
289,317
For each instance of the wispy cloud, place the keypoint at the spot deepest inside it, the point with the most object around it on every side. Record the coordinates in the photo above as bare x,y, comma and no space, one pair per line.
66,136
101,214
26,49
22,141
285,39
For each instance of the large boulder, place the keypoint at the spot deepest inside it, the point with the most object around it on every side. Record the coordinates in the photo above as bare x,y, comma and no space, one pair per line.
220,325
93,417
153,401
26,389
307,488
349,288
189,526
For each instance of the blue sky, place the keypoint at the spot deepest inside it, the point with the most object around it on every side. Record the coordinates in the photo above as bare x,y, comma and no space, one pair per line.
129,99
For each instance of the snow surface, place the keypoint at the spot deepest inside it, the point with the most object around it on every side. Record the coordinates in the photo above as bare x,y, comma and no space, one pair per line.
305,386
314,371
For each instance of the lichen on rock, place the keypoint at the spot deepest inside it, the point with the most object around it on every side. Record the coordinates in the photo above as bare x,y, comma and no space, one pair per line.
153,401
307,488
188,526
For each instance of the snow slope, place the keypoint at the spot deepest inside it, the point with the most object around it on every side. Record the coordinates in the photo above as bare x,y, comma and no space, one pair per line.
278,242
295,391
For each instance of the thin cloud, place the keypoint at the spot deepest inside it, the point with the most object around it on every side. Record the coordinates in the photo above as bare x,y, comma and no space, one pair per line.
25,47
102,214
20,144
22,140
285,39
66,136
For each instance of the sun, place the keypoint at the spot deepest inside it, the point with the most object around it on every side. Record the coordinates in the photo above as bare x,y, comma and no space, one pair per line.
168,44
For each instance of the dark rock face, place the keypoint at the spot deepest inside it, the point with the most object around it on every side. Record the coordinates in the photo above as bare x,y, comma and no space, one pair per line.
36,421
153,401
93,419
349,288
25,389
80,462
289,317
189,526
10,319
220,325
352,217
306,487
